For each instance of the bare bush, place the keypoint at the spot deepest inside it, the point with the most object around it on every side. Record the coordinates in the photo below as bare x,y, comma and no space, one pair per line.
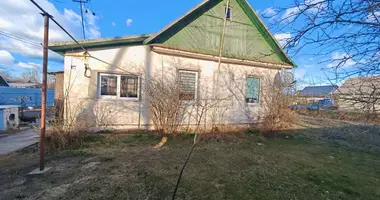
104,114
167,108
278,115
57,140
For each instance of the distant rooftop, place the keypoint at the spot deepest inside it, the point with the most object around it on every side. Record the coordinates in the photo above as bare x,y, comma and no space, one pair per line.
318,91
3,82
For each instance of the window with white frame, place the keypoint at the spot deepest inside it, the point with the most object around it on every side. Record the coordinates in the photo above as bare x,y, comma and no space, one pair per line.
188,85
252,93
116,86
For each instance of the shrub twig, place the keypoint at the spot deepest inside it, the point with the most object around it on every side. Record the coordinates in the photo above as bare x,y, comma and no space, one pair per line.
184,165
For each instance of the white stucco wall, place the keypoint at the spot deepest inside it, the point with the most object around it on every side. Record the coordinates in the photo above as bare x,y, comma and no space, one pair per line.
84,106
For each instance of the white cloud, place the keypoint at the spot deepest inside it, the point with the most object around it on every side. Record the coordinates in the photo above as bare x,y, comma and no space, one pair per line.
23,19
270,13
283,38
6,58
113,23
373,17
129,22
91,25
290,13
312,6
7,61
29,65
341,60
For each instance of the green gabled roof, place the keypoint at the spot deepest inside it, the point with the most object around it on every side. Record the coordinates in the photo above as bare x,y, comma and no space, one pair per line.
204,22
62,47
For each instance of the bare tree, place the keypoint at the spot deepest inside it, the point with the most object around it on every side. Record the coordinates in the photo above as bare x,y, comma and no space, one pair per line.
6,75
348,28
343,34
31,75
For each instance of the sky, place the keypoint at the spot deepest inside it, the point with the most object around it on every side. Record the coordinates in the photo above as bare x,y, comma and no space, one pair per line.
23,21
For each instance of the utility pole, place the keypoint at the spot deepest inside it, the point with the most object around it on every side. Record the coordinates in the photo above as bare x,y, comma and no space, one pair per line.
81,13
81,4
44,78
44,86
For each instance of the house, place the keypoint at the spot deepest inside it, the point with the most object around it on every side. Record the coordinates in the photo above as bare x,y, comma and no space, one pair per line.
3,82
110,76
360,94
315,93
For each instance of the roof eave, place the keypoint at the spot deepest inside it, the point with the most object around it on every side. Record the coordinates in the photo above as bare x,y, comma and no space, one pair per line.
132,40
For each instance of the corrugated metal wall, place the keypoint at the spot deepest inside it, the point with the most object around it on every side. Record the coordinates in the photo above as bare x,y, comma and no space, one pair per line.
31,96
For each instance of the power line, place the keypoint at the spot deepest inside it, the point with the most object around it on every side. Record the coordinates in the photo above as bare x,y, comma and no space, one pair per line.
76,41
59,25
21,39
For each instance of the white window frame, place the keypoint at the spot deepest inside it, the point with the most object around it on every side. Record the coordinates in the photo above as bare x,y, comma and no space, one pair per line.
118,86
196,82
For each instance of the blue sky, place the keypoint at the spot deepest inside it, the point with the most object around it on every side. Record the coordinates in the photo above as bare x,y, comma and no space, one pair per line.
113,18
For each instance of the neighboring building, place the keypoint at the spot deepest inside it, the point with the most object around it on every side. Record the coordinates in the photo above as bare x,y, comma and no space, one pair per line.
360,94
57,85
113,81
3,82
314,93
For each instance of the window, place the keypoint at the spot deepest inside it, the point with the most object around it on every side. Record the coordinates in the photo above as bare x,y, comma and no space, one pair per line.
118,86
187,85
252,94
108,85
129,86
227,11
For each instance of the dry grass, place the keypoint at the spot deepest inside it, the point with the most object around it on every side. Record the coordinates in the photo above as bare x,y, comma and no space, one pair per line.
324,159
60,140
343,115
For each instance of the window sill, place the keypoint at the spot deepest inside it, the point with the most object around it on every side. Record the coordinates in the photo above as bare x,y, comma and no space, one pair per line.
188,102
117,99
253,104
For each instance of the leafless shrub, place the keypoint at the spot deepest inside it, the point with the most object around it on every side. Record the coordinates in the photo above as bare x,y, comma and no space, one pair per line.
60,140
66,129
278,115
165,104
104,114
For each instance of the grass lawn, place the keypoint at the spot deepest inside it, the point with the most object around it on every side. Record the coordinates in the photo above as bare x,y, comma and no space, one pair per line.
324,159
